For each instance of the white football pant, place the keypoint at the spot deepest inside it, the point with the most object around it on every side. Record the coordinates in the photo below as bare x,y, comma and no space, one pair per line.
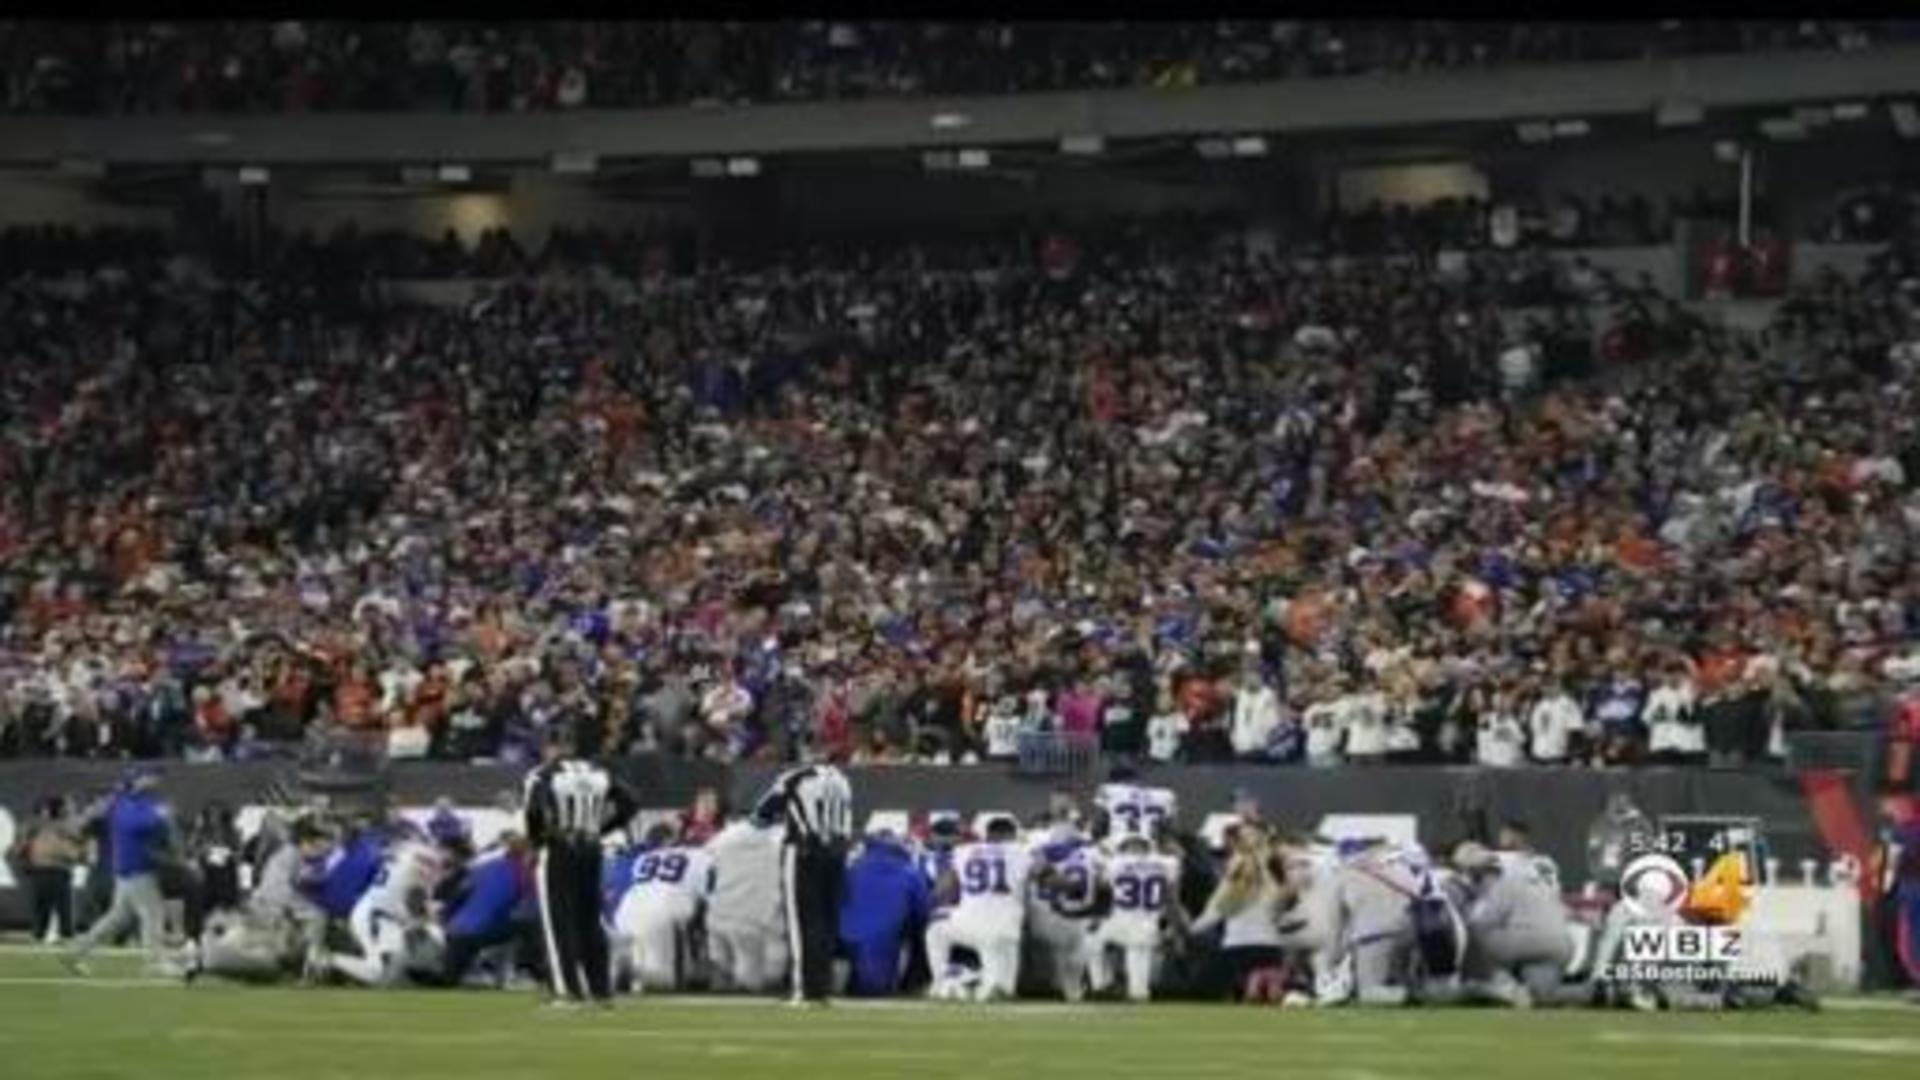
998,946
381,935
751,958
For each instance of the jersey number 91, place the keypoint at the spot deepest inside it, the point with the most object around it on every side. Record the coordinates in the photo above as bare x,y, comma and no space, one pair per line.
980,876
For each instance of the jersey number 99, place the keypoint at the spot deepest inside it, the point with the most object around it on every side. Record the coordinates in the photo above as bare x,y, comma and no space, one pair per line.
666,869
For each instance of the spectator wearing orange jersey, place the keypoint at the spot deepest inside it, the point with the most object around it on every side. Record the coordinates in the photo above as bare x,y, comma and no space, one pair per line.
353,700
1638,552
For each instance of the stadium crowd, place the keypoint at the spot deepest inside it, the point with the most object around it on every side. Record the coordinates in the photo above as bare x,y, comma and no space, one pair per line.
1191,499
138,67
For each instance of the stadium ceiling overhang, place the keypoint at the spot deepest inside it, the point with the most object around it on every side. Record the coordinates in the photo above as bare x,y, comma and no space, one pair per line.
1682,88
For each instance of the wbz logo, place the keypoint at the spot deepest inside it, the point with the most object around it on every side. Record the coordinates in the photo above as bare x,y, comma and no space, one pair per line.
1683,944
1654,889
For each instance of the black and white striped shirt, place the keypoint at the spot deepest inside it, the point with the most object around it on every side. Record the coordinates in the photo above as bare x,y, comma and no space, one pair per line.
573,800
815,802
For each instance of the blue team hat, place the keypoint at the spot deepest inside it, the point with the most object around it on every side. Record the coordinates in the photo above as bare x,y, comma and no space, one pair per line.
447,827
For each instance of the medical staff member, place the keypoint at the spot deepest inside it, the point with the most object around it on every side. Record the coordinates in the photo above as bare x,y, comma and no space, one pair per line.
887,900
139,828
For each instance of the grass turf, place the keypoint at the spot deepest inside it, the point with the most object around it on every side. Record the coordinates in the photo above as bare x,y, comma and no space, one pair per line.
54,1027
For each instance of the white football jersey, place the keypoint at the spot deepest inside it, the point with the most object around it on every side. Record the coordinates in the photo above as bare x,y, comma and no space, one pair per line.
1404,867
993,881
1326,726
746,876
1164,734
1133,810
1537,870
1077,874
1316,864
409,867
1003,734
672,878
1365,721
1144,888
1501,742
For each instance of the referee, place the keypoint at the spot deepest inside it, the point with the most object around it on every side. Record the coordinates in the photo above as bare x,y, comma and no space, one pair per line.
570,804
815,803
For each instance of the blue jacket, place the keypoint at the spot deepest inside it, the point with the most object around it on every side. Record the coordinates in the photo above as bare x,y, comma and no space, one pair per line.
350,873
137,825
885,894
495,883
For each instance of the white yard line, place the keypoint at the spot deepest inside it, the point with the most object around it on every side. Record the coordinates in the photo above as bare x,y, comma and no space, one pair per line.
1877,1046
104,982
35,948
1870,1004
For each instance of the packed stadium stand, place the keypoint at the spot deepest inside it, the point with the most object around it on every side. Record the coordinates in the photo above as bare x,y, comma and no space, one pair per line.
1438,446
1315,513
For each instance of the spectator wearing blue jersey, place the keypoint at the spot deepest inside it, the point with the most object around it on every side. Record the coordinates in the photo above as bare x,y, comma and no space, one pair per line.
886,904
137,827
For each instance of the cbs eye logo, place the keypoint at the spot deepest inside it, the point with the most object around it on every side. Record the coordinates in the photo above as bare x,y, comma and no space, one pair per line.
1654,886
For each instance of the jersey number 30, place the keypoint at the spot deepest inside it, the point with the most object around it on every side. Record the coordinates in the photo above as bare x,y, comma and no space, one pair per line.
1139,894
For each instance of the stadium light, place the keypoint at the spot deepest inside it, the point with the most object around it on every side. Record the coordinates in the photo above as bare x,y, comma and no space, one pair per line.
1570,129
455,174
1214,149
709,168
937,160
416,175
1906,119
1250,146
743,166
1672,114
1813,116
1082,145
1783,128
254,176
1850,110
1534,132
950,121
973,159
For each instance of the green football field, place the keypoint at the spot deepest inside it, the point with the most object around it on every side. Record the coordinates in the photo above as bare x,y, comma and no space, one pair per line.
112,1026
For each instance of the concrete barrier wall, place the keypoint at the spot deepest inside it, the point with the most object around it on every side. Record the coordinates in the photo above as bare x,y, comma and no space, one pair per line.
1445,803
